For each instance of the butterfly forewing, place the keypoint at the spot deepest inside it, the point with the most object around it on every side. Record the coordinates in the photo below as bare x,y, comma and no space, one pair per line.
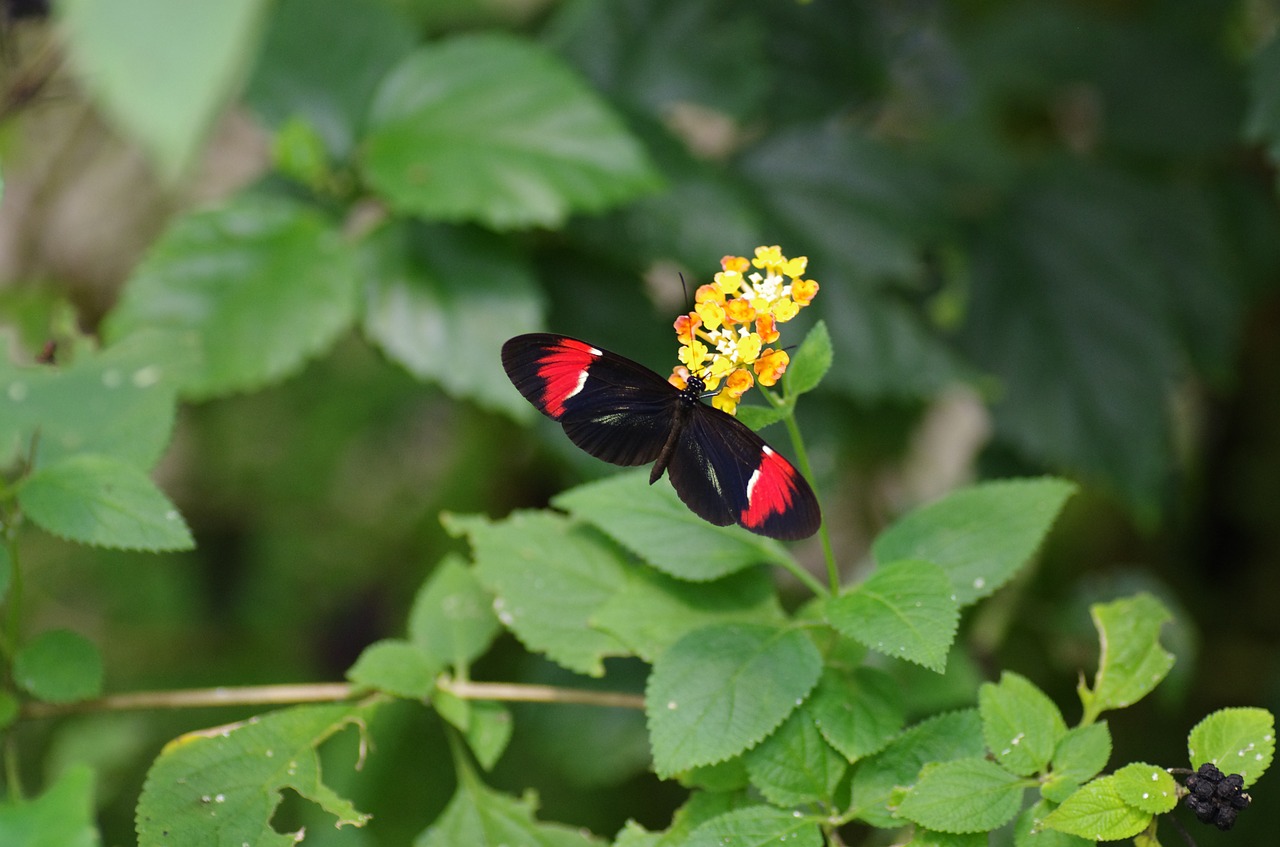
613,408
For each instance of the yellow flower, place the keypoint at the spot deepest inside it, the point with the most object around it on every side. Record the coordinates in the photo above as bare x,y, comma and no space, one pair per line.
769,368
711,312
803,290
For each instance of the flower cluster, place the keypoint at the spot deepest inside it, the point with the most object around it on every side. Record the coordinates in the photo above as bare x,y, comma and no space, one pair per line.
724,339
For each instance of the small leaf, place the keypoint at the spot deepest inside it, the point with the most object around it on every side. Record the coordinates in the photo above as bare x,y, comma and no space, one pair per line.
963,795
721,689
652,611
929,838
904,609
452,617
634,513
1082,753
229,779
758,417
489,731
795,765
60,817
1097,812
264,283
1028,833
757,826
811,362
1021,725
1132,661
104,502
59,666
979,535
550,577
1239,740
396,667
1146,787
857,713
10,707
478,816
497,130
954,735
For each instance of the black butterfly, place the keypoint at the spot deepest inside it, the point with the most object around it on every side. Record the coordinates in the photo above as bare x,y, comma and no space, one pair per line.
622,412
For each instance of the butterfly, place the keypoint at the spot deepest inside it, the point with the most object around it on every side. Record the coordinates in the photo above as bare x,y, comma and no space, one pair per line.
622,412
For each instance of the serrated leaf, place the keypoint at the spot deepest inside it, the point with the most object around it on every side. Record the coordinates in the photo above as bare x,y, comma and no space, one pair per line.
549,577
62,816
1132,662
329,89
757,826
496,130
59,666
979,535
396,667
904,609
104,502
441,301
859,712
758,417
1146,787
811,362
264,283
634,513
1021,725
452,616
162,70
1027,831
1082,753
652,610
1097,812
929,838
953,735
478,816
795,765
489,731
1238,740
964,795
721,689
226,782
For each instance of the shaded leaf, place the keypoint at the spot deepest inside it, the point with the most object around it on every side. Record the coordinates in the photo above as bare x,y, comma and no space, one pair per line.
452,617
59,666
795,765
478,816
859,712
396,667
60,817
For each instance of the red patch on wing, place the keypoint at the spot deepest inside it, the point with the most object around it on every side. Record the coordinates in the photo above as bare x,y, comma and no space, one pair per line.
770,489
564,372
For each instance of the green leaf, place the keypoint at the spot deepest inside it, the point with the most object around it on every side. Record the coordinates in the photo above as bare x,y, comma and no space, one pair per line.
329,89
979,535
442,300
1132,661
811,362
929,838
721,689
550,577
478,816
1082,753
904,609
953,735
6,571
264,283
104,502
1027,831
59,666
496,130
1239,740
1263,122
60,817
859,712
115,402
1021,725
396,667
228,780
452,616
163,71
964,795
486,725
10,707
757,826
635,513
1146,787
758,417
795,765
652,611
1098,812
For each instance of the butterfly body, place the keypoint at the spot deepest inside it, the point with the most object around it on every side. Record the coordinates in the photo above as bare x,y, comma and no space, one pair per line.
623,413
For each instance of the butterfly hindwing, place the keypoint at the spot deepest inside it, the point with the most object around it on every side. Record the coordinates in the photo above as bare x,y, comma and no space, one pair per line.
613,408
725,474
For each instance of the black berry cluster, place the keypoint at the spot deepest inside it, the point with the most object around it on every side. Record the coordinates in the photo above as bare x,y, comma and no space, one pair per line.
1215,798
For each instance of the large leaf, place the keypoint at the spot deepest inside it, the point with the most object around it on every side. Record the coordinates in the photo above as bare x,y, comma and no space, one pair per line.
1021,725
905,609
496,130
222,786
441,301
264,283
795,765
963,795
1132,661
162,70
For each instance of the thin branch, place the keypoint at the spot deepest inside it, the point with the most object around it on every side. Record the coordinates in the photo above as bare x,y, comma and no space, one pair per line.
251,695
515,693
